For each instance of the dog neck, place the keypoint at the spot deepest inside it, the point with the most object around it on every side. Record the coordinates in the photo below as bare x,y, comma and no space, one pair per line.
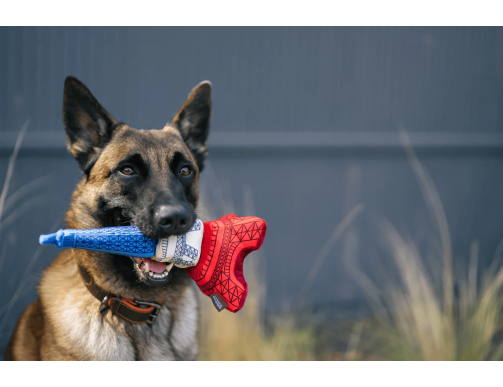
135,311
77,327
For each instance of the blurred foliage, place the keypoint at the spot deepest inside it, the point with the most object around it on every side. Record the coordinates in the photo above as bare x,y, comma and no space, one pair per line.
243,336
428,313
438,317
419,326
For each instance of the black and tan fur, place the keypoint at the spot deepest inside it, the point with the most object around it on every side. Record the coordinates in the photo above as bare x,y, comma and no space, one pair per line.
64,323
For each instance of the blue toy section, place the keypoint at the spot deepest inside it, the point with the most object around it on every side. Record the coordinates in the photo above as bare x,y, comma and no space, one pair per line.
124,240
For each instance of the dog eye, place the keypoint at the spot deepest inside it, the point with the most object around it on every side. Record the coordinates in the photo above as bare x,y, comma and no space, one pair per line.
127,171
185,171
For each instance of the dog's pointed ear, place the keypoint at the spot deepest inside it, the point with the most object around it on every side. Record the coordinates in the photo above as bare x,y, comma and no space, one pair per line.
193,121
88,126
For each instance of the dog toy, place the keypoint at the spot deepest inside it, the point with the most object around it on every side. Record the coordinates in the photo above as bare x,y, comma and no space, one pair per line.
212,253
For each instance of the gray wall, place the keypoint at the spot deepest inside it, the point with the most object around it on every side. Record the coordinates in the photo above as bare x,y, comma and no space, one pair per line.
304,128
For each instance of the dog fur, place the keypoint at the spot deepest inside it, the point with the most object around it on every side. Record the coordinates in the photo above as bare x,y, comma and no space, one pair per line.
64,323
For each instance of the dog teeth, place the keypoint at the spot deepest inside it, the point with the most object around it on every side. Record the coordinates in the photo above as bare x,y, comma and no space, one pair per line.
146,269
164,274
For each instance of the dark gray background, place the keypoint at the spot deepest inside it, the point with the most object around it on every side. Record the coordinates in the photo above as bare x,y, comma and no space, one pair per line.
304,128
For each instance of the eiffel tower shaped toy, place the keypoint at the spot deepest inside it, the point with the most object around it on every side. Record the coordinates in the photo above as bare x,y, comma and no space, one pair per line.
212,253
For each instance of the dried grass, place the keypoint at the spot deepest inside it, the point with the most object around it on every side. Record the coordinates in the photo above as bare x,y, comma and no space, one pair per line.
242,336
425,320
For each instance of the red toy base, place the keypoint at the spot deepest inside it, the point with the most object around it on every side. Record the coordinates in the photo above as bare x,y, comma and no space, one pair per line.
226,243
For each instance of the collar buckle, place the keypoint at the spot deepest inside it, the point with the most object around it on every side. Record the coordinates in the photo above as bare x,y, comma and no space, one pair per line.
104,303
154,314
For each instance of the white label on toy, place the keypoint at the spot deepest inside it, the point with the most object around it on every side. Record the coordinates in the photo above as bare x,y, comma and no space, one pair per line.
182,250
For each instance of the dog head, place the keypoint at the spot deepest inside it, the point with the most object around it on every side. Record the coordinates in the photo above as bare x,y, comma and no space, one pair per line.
146,178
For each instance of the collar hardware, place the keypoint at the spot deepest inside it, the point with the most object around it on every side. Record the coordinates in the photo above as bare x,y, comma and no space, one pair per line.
134,311
104,303
154,314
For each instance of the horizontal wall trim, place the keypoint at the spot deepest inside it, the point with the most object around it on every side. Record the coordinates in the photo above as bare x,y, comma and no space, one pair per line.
228,141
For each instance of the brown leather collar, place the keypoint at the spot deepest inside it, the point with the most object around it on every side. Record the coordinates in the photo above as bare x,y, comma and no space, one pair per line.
137,312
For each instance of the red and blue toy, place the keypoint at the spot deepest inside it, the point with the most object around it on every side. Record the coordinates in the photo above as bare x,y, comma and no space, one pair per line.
215,263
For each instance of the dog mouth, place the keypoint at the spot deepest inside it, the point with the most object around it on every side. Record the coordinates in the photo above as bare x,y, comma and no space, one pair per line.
147,270
152,270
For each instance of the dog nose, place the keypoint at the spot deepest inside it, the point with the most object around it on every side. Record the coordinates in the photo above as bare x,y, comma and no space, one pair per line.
171,218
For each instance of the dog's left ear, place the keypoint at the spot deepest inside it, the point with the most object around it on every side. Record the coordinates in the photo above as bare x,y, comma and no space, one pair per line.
193,121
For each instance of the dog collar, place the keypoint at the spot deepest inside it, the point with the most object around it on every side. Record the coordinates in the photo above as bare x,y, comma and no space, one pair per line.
135,311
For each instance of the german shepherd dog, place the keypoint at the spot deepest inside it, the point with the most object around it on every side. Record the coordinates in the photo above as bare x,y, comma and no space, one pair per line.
147,178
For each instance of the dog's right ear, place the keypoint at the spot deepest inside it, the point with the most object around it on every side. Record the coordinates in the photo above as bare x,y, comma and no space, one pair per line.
88,126
193,121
